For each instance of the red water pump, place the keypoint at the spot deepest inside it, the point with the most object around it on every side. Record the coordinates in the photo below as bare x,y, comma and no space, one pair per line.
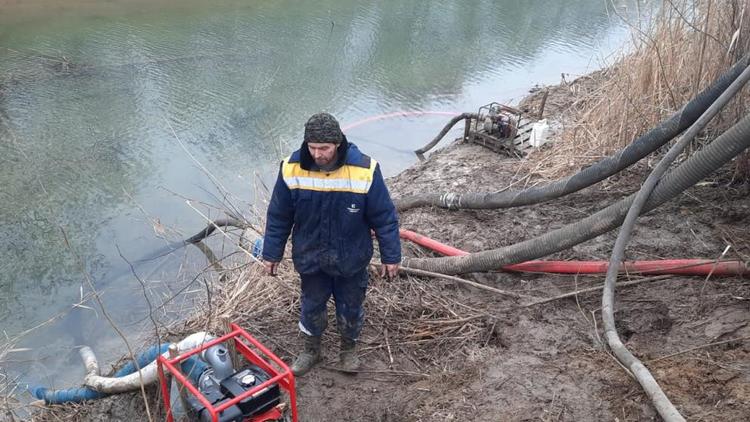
214,390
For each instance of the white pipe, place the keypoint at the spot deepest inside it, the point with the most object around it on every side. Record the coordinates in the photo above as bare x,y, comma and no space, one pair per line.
149,373
89,360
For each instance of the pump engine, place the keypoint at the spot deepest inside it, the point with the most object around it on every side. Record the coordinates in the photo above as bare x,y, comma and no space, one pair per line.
219,382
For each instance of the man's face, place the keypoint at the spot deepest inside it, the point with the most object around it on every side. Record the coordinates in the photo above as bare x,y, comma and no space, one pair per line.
323,154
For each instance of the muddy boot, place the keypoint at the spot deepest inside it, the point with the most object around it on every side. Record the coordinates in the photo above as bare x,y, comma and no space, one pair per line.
309,356
348,359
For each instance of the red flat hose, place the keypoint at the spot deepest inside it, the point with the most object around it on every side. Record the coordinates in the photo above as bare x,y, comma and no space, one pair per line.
699,267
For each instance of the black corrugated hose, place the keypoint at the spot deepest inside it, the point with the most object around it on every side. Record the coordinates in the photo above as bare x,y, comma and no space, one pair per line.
641,147
699,165
211,227
463,116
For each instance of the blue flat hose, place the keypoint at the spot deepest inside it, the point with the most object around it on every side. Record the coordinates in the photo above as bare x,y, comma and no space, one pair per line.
192,366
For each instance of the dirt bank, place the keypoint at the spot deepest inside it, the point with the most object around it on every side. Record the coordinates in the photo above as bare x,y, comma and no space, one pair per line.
550,363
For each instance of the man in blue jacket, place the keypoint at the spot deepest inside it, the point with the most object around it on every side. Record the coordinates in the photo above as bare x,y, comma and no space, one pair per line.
330,196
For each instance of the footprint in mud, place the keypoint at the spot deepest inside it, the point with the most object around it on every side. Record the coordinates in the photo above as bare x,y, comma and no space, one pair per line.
650,317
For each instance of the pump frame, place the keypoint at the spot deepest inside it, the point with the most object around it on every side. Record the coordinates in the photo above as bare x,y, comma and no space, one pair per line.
283,377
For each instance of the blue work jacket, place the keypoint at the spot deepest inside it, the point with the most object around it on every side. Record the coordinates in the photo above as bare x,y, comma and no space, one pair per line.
330,214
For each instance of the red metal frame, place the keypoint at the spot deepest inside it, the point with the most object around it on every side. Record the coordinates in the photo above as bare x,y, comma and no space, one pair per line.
284,378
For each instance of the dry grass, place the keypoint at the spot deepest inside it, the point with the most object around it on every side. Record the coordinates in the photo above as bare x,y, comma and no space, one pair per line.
682,49
412,315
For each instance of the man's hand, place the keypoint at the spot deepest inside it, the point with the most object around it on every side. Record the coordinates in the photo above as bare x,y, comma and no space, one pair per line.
270,267
389,270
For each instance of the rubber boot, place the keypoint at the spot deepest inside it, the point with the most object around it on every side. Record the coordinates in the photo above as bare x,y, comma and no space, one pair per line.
348,358
309,356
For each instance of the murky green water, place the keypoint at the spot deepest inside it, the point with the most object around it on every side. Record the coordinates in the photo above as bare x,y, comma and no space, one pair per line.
90,93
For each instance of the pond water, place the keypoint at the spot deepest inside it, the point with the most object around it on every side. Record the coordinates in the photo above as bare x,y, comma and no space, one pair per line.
124,123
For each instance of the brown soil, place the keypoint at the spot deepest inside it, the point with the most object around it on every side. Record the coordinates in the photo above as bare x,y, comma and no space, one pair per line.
545,362
550,363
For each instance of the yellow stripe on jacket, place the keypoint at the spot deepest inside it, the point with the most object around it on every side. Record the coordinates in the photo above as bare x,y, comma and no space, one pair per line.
347,178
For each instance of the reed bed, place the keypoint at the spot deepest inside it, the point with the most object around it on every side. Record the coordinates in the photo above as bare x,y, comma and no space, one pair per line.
671,57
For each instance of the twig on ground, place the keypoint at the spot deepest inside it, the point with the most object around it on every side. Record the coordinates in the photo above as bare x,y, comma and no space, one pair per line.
713,268
703,346
596,288
464,281
380,371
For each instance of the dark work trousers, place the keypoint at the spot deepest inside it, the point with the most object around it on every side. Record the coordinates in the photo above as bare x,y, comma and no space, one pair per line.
348,294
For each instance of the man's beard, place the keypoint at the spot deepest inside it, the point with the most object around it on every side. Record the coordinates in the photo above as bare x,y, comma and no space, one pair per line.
327,165
322,162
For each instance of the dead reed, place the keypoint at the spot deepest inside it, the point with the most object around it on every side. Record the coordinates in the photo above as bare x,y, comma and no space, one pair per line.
410,315
672,56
